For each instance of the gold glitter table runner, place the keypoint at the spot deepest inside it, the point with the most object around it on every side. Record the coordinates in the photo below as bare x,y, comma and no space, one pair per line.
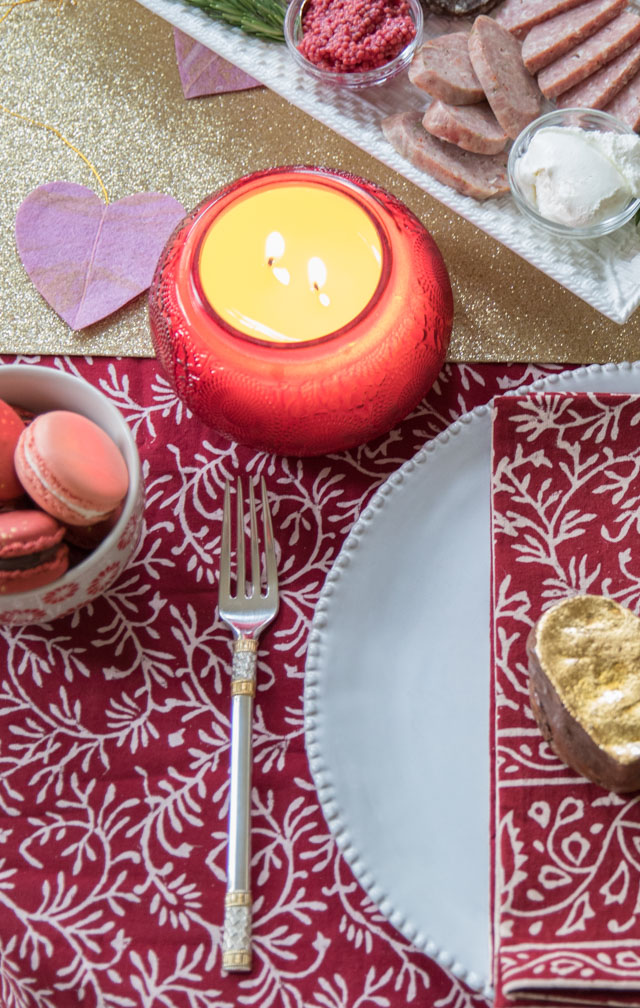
105,76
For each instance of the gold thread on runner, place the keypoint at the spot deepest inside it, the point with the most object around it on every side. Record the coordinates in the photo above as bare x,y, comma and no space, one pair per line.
243,687
238,897
35,122
12,4
245,644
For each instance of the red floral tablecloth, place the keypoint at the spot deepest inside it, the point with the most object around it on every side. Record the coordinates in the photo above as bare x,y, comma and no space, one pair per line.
114,746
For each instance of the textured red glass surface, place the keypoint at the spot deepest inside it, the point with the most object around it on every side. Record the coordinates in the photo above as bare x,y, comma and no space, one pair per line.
307,398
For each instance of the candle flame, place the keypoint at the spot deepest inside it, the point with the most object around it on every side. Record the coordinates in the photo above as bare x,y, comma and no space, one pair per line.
274,247
317,276
317,273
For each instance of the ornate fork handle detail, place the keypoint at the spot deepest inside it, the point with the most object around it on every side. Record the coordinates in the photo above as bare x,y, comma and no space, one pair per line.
243,669
236,935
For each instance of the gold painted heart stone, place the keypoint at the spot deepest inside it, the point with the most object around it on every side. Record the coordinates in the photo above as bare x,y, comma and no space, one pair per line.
584,685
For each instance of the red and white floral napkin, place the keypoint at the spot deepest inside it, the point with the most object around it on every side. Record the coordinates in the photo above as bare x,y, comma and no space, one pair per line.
565,853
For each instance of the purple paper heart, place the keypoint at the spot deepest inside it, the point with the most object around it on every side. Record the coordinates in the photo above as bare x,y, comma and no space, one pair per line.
203,72
88,258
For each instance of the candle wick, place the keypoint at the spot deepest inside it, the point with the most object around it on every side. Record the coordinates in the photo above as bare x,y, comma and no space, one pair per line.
270,261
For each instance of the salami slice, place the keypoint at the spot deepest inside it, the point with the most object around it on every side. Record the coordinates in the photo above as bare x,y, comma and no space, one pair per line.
479,175
601,88
550,40
519,16
472,127
442,67
583,60
511,91
626,104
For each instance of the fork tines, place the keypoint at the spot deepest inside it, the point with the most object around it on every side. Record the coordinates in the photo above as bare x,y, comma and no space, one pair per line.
252,588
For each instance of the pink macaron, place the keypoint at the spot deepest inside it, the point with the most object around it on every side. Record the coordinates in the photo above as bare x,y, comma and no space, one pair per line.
71,468
32,553
11,427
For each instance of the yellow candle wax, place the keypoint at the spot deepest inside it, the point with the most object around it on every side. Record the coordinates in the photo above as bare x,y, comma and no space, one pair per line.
290,262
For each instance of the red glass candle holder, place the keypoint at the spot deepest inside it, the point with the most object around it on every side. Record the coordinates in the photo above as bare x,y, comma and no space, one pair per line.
305,396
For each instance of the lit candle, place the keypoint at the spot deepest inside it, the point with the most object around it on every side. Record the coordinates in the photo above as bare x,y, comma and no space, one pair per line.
301,310
291,263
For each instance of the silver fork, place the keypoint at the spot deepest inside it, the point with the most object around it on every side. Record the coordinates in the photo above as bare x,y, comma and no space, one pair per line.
247,613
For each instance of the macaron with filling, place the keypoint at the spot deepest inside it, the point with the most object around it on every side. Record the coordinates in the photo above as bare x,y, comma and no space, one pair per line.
88,537
32,553
11,427
71,468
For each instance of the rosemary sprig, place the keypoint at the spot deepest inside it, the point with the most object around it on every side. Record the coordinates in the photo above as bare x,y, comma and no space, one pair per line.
262,18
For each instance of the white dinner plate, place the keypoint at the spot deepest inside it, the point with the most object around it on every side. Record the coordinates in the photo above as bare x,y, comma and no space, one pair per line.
397,689
602,271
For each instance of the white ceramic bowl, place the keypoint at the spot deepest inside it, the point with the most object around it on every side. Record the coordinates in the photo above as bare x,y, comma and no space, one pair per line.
352,79
39,389
587,119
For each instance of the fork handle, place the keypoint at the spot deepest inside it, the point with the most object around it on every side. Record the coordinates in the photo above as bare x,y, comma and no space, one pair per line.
236,934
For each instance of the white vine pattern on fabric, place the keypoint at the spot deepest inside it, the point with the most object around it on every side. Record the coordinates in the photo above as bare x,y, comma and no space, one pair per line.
568,514
114,748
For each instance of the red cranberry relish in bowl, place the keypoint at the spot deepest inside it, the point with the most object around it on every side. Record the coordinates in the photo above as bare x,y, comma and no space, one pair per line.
353,43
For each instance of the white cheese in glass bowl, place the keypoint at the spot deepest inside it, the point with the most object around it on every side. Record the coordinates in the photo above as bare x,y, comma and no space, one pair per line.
579,177
576,173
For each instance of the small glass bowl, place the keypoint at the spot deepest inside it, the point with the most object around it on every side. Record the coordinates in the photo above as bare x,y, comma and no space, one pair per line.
352,78
587,119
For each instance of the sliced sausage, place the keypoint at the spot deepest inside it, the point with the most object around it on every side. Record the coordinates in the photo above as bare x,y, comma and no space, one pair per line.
582,61
472,127
519,16
626,104
602,87
479,175
443,69
550,40
511,91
